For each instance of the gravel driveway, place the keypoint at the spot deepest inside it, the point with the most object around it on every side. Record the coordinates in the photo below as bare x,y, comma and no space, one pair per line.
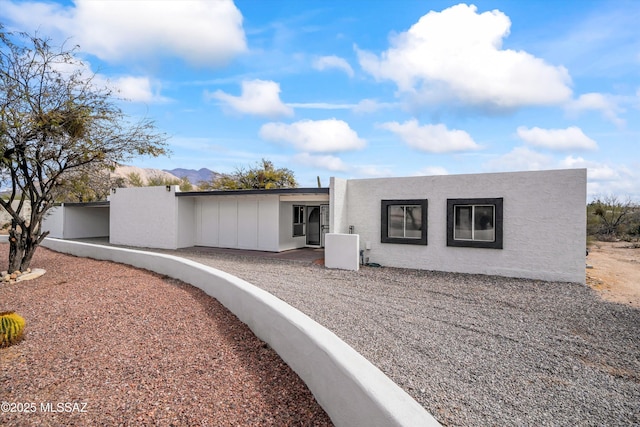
472,349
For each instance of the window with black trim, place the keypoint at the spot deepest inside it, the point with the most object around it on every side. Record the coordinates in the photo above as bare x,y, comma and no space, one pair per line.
298,221
475,223
404,221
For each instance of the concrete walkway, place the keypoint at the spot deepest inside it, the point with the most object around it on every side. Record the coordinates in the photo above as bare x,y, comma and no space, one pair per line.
311,255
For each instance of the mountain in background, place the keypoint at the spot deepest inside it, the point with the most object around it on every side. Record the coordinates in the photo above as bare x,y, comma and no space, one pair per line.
119,177
123,171
194,176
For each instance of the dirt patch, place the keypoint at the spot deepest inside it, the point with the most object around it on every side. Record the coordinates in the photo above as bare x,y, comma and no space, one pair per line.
615,271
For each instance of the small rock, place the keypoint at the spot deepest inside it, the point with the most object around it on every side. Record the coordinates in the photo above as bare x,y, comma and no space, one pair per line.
35,273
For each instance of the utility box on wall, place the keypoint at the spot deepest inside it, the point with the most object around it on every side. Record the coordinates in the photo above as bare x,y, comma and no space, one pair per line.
341,251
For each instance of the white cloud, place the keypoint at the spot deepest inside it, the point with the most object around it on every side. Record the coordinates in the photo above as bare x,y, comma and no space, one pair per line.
137,89
606,104
328,62
259,97
456,55
602,178
596,171
431,138
202,32
326,136
328,162
557,139
321,106
520,159
129,88
367,106
606,178
374,171
432,171
30,16
371,106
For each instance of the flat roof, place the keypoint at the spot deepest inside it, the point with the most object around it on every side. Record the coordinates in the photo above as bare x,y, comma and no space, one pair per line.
86,204
279,191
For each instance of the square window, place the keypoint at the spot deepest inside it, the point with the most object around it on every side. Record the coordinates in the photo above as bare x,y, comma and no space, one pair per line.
474,223
404,221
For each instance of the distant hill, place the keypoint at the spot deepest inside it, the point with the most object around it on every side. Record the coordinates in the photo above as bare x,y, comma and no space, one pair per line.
124,171
194,176
145,173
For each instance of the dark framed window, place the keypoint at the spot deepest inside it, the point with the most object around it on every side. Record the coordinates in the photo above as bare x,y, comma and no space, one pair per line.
404,221
474,223
298,221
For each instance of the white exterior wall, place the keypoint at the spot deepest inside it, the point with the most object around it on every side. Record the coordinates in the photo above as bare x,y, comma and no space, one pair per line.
268,231
237,222
186,226
53,222
207,222
144,217
287,241
228,223
83,222
338,206
544,223
77,222
248,223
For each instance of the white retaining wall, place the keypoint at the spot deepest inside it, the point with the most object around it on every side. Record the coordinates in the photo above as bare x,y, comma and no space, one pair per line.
544,223
351,390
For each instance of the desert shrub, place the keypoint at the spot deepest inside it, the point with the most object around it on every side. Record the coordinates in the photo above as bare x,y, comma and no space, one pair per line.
610,219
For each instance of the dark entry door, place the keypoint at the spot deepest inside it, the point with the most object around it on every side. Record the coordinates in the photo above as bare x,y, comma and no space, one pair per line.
313,225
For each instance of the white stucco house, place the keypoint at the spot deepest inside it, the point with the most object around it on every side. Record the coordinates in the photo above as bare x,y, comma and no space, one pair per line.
517,224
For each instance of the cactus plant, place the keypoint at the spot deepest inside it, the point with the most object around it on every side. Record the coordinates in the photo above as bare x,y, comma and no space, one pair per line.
11,327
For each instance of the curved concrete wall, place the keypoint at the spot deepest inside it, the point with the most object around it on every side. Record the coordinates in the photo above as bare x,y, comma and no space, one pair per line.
351,390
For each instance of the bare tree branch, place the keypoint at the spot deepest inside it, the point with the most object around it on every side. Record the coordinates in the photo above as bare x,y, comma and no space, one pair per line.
55,126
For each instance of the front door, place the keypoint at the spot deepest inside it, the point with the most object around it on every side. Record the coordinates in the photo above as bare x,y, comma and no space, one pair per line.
317,224
313,225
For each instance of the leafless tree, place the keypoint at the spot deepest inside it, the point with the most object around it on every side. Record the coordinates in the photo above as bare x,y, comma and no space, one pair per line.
54,121
612,213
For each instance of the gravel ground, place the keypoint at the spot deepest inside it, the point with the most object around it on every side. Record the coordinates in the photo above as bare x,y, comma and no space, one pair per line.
473,350
108,344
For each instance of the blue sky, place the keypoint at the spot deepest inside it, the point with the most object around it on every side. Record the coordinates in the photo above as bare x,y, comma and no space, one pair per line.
360,89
